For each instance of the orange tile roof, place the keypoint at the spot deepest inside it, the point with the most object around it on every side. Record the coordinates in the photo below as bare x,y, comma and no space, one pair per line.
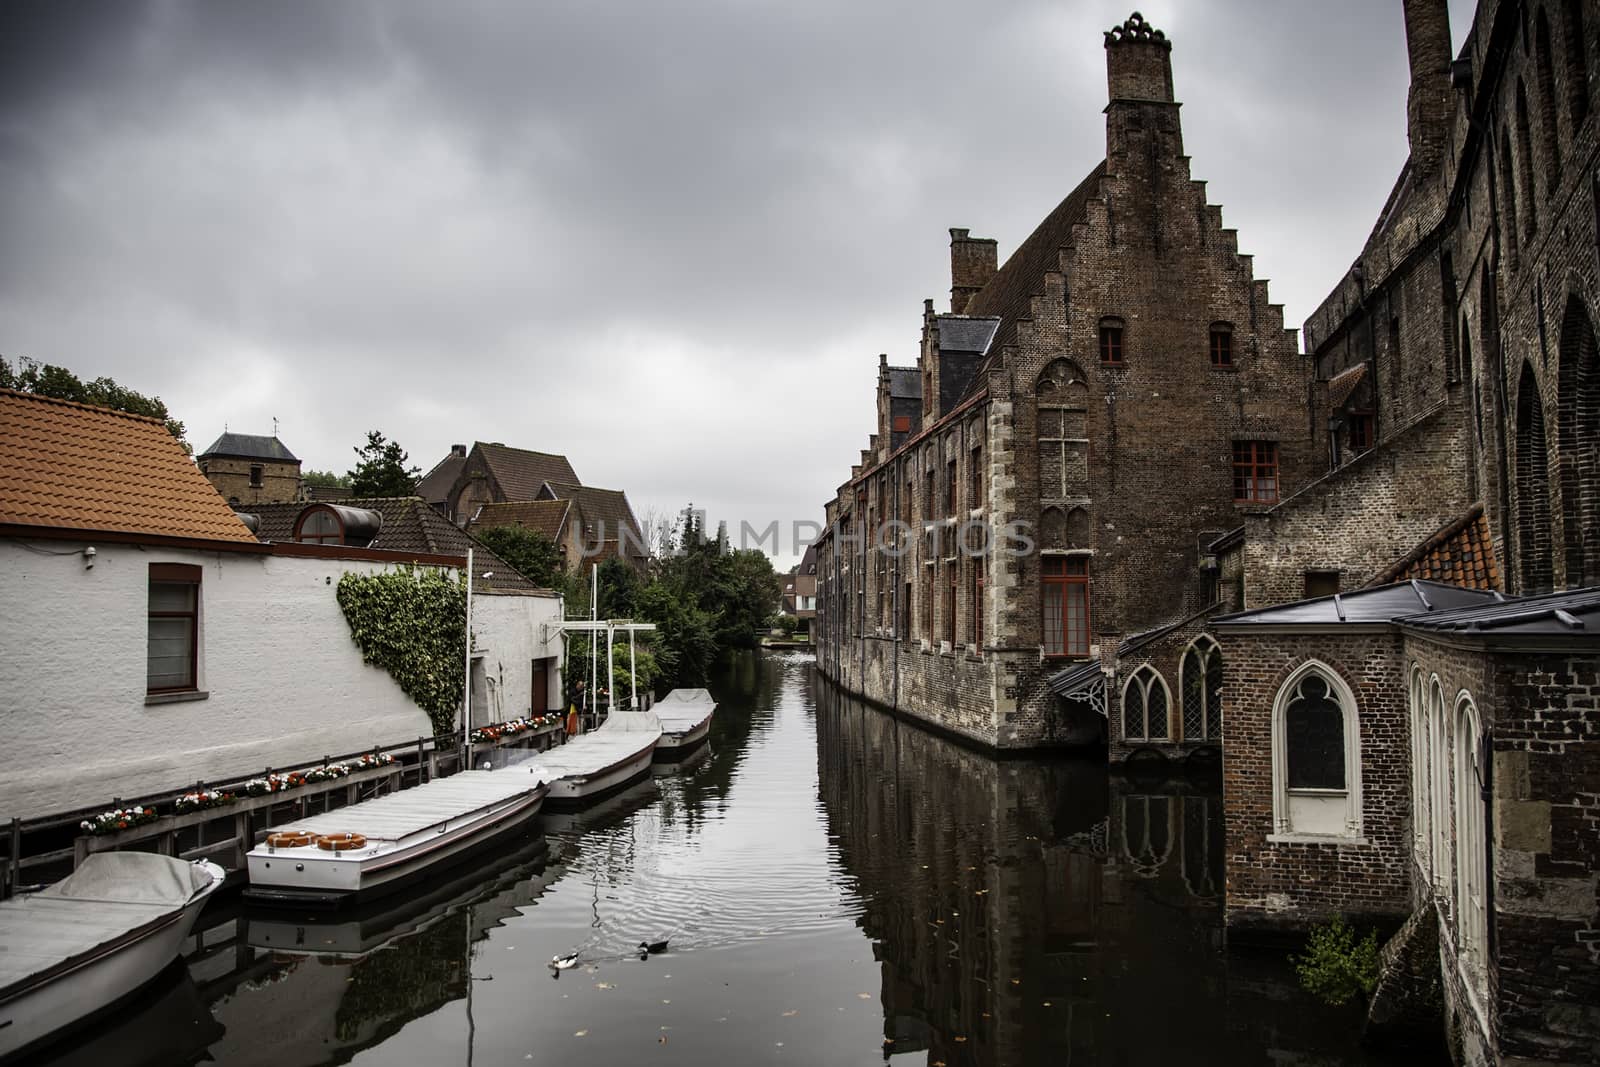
1341,385
1461,553
75,467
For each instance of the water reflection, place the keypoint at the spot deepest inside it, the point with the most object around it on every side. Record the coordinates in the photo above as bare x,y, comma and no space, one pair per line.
1030,912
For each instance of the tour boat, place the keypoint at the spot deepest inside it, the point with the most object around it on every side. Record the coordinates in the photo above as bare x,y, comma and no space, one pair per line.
93,939
685,716
368,849
601,762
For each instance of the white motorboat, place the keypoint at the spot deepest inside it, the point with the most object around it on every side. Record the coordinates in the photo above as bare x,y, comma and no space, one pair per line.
685,716
601,762
93,939
372,848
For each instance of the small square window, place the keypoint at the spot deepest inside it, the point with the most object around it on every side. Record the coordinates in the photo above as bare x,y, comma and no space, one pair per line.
255,476
901,424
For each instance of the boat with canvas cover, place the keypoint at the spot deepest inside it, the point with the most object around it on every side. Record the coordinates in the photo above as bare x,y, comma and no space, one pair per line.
601,762
368,849
685,716
93,939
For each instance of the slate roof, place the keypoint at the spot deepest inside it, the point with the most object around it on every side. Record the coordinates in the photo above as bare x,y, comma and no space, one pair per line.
1341,385
1379,605
1079,676
520,472
608,507
72,466
1008,294
435,485
905,382
409,525
250,446
548,517
1571,614
1460,553
963,333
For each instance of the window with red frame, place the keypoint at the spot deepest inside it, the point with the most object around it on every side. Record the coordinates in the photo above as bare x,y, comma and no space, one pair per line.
950,488
1064,596
977,603
1255,472
951,574
1221,345
1360,431
1111,341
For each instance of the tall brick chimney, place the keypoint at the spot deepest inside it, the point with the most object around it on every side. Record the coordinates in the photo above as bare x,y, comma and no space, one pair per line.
1139,62
1143,134
973,261
1429,103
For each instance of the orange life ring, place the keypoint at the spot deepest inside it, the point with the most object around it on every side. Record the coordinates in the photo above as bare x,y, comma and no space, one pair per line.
288,839
340,842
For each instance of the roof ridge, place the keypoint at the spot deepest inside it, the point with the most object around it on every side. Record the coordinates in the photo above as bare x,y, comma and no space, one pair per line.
99,408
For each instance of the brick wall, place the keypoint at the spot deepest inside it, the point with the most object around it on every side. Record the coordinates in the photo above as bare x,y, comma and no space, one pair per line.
279,482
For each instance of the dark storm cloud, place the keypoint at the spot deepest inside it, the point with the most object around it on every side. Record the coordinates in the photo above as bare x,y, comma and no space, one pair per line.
668,240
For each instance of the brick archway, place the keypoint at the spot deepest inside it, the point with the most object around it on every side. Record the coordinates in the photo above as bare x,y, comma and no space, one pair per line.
1532,489
1578,444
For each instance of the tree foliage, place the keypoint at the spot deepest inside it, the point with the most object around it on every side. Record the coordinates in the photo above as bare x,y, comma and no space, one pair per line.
325,479
535,556
413,624
1335,966
59,383
381,469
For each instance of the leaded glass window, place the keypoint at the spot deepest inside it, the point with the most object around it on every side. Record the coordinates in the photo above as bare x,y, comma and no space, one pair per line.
1314,737
1202,691
1144,707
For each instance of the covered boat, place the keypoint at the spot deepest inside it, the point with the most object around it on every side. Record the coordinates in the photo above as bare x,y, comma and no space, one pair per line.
372,848
93,939
602,762
685,716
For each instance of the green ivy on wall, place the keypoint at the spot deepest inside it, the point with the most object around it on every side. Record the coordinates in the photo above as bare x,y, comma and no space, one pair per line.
413,624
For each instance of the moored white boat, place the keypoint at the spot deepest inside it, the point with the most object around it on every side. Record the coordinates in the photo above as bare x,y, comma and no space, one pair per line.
601,762
685,716
372,848
93,939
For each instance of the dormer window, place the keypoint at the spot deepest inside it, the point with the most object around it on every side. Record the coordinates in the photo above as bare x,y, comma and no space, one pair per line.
1111,342
331,524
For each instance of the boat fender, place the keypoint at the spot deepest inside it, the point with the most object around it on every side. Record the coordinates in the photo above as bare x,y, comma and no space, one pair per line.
288,839
340,842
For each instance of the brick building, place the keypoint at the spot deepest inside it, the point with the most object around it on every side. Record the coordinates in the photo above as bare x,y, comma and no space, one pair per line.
251,469
1120,393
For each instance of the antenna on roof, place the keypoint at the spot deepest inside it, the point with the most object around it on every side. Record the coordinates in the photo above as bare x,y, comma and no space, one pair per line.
274,425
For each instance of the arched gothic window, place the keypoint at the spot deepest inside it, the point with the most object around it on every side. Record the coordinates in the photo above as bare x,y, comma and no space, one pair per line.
1472,916
1578,431
1420,813
1575,48
1316,755
1200,681
1532,488
1439,794
1144,706
1544,68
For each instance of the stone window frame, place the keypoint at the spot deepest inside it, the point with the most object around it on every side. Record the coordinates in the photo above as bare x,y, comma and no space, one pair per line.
1150,676
1441,872
1472,911
1202,648
1421,812
1283,829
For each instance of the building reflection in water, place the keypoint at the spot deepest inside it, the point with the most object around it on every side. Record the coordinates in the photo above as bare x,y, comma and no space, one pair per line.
1044,911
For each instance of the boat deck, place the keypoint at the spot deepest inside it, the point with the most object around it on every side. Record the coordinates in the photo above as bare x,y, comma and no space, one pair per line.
684,709
411,811
40,932
624,735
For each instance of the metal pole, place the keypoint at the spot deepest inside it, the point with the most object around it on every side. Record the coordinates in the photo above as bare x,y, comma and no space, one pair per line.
633,675
466,688
594,645
611,672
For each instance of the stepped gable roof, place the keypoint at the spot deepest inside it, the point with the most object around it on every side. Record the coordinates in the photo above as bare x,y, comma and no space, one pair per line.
1376,606
548,517
1573,614
963,333
598,506
1007,295
409,525
70,466
521,472
1341,385
435,485
250,446
905,382
1460,553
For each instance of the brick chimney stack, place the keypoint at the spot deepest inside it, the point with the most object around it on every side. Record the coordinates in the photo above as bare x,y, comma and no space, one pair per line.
973,261
1429,103
1139,62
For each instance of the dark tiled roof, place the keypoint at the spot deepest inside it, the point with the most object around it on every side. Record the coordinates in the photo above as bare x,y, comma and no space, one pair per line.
1462,553
1341,385
808,562
76,467
1383,604
607,507
962,333
1575,614
1007,296
409,525
905,382
521,472
328,492
548,517
435,485
250,446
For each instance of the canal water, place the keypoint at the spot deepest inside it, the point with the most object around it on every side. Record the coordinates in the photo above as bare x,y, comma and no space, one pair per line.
836,887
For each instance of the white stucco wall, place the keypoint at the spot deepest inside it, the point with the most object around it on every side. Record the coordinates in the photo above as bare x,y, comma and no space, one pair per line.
286,683
508,629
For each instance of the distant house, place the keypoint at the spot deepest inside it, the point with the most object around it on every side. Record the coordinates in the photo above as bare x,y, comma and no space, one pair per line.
251,469
496,474
805,588
559,520
152,640
435,486
609,528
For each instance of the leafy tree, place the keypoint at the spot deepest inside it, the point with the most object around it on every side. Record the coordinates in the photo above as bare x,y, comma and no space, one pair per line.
325,479
382,469
59,383
1336,966
535,556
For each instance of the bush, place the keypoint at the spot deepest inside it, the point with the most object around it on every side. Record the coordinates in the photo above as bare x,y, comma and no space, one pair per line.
788,623
1335,966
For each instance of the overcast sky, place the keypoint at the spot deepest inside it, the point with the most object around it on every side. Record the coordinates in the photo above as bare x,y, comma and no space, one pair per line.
665,239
